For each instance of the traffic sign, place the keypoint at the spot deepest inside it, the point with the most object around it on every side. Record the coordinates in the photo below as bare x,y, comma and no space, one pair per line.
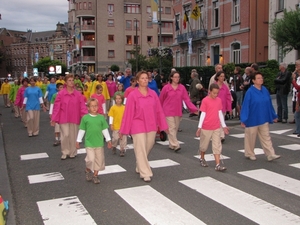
35,72
51,70
58,69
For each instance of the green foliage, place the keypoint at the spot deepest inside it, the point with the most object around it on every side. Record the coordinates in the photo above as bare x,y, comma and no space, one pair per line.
228,69
44,64
114,68
286,32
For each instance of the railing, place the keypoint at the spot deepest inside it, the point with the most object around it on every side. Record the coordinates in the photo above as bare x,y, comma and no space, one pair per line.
166,43
87,27
88,58
166,30
88,43
196,35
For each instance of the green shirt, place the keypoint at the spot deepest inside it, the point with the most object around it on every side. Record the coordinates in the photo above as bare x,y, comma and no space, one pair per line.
93,127
53,98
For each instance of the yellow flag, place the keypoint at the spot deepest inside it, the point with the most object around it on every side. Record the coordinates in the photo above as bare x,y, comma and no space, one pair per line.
195,14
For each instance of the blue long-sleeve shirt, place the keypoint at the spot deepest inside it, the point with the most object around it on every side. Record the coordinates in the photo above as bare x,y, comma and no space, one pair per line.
257,107
125,81
153,86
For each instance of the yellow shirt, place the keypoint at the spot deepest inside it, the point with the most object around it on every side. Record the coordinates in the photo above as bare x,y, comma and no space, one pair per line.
104,91
60,81
89,84
116,112
39,84
5,88
87,94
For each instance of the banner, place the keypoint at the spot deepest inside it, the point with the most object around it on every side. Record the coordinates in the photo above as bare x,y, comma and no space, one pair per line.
36,57
190,46
77,36
154,8
185,19
195,13
68,59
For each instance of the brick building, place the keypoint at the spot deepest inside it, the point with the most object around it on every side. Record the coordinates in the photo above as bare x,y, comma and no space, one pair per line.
227,31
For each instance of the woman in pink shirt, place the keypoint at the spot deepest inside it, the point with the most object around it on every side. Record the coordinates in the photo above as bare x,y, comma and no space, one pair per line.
142,117
68,109
19,100
171,98
112,88
224,95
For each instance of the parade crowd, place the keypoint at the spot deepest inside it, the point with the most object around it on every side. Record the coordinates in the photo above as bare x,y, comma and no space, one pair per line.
116,106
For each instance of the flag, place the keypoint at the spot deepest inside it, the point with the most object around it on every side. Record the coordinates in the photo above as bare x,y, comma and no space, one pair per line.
190,46
195,13
185,19
176,24
154,8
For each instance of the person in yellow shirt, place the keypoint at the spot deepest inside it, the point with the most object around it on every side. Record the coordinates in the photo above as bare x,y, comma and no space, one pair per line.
99,80
39,83
5,89
115,114
86,92
89,83
60,80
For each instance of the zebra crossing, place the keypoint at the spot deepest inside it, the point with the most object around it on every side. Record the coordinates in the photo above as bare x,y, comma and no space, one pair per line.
157,208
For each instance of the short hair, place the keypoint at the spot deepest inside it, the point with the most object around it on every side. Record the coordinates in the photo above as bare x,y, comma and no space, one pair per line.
254,66
214,86
139,74
253,75
91,100
297,62
194,71
218,64
219,74
69,76
122,96
32,78
238,69
132,79
120,84
171,75
58,85
283,64
99,86
25,80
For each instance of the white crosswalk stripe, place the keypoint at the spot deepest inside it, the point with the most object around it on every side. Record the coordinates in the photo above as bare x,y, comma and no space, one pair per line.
145,200
46,177
274,179
241,202
34,156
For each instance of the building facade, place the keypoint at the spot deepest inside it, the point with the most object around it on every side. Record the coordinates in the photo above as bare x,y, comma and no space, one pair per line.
227,31
276,11
106,32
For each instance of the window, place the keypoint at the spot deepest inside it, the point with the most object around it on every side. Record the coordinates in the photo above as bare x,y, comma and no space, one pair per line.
149,39
110,8
215,14
84,5
131,8
136,40
111,37
128,24
236,53
136,24
89,5
236,11
178,59
80,5
128,55
149,9
167,10
280,5
128,40
111,53
149,24
111,23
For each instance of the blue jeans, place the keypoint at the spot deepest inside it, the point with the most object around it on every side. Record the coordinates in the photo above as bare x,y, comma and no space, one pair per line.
282,108
297,120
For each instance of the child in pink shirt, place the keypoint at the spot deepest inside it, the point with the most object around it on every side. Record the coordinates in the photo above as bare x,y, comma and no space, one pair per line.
101,100
209,126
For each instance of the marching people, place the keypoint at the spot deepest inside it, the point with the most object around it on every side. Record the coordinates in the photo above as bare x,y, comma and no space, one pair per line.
101,100
142,117
68,109
257,99
296,85
171,98
19,101
5,89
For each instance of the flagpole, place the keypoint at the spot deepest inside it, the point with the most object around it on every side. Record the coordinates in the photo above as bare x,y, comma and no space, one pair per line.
160,36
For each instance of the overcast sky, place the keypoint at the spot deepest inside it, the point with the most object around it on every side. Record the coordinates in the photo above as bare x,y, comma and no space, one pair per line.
37,15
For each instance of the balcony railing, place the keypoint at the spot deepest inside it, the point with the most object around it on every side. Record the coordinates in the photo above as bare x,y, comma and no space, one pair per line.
166,43
87,27
88,58
88,43
168,30
196,35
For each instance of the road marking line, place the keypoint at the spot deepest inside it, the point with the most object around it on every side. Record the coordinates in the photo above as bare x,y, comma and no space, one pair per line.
257,151
81,151
280,131
129,146
241,202
162,163
156,208
67,211
296,165
210,157
274,179
237,135
293,147
112,169
197,138
46,177
34,156
293,136
167,142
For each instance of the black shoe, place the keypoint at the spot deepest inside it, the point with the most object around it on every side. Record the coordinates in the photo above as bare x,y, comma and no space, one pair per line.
295,132
278,121
192,114
298,135
292,122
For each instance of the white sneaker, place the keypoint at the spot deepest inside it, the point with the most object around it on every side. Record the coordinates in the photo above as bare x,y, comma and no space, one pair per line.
273,157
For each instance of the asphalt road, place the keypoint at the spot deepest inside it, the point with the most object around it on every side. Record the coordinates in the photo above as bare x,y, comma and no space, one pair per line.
181,192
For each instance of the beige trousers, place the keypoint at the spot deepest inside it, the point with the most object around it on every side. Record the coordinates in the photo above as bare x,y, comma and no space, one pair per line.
16,110
264,136
95,159
33,122
143,143
173,123
68,135
23,115
116,138
214,136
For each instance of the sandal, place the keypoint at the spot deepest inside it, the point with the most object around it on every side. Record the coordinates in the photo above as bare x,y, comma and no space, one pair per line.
220,168
88,175
95,180
122,153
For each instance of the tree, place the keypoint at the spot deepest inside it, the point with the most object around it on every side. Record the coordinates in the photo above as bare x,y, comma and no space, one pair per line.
286,32
114,68
44,64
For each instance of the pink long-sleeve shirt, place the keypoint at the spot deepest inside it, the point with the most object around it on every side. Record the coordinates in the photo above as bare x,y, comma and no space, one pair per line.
20,96
225,96
171,100
112,87
143,114
68,107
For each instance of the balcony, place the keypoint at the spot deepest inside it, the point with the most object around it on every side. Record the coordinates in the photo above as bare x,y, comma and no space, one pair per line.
87,28
88,43
166,30
88,58
196,35
166,43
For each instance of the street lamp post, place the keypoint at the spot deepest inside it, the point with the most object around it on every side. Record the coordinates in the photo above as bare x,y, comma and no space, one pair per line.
136,47
160,42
